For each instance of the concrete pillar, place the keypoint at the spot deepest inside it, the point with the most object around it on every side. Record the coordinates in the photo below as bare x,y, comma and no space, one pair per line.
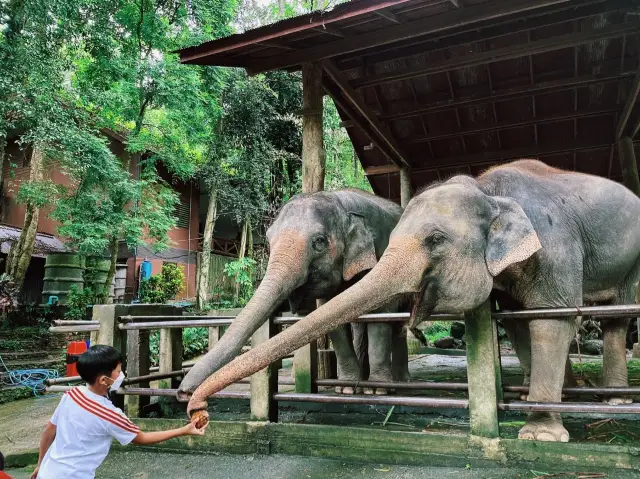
109,334
483,371
215,333
305,366
264,383
405,186
170,352
138,365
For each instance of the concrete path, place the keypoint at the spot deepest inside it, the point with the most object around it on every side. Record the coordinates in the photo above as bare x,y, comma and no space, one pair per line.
147,465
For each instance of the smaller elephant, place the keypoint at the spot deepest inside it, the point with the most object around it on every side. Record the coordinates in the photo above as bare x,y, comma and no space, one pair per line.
320,244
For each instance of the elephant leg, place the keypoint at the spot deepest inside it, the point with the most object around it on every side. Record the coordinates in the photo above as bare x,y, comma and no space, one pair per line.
399,353
614,361
360,346
379,355
518,333
550,341
348,365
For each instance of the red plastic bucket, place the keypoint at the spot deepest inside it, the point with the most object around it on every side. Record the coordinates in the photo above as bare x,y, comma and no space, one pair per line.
74,350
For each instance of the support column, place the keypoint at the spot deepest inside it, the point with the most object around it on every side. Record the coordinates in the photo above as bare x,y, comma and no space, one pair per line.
215,333
137,365
170,352
264,383
313,159
405,186
483,371
627,156
628,163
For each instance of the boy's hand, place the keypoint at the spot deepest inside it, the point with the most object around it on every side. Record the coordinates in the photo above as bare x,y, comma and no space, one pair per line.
192,430
34,474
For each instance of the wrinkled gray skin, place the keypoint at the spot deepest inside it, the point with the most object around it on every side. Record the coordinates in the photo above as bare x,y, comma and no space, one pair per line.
545,237
319,245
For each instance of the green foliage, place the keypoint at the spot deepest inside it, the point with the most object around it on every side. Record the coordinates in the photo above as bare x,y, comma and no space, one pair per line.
77,302
162,287
437,330
8,294
242,271
195,342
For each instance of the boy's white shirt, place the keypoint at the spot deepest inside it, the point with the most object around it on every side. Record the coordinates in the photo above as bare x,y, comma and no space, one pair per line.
86,423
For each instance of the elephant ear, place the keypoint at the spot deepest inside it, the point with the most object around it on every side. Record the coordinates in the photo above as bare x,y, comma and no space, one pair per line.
359,250
511,237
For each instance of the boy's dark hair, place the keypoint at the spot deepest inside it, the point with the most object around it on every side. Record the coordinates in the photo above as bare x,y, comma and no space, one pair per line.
1,462
98,360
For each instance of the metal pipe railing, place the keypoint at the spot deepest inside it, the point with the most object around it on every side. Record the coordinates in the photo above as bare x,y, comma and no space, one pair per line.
574,407
74,329
129,318
66,322
158,392
178,323
374,400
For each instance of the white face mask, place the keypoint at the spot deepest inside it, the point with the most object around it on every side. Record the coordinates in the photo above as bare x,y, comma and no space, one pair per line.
117,382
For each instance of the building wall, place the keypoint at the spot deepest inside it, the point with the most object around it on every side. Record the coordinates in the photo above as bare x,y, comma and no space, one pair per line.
184,241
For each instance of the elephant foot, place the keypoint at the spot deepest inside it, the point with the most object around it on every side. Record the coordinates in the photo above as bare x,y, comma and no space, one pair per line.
376,391
617,401
348,390
550,432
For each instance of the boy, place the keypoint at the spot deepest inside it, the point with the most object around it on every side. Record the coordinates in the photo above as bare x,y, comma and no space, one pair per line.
78,437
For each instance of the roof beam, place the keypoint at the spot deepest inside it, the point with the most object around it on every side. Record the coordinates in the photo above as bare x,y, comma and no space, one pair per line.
381,170
504,125
380,130
330,31
500,54
628,107
334,92
512,93
492,156
389,16
430,25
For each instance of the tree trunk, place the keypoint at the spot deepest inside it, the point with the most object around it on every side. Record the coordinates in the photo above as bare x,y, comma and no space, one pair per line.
21,251
281,8
241,254
313,158
3,143
112,270
203,273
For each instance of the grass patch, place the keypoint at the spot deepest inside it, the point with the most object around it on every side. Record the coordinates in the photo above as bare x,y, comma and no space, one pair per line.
593,370
435,330
13,394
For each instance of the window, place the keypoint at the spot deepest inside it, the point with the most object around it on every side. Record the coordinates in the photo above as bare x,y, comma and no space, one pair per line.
182,215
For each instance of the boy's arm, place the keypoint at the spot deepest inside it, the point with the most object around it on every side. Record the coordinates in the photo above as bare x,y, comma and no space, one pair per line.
48,435
147,438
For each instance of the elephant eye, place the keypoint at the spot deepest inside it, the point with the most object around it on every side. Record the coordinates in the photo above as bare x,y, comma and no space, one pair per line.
436,238
320,243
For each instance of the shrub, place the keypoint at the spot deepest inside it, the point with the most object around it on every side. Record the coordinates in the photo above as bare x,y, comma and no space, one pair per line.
77,302
162,287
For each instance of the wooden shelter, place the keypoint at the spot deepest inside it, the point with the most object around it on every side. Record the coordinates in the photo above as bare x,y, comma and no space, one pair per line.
433,88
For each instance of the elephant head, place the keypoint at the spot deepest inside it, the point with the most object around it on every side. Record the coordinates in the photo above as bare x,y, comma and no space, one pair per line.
316,245
449,245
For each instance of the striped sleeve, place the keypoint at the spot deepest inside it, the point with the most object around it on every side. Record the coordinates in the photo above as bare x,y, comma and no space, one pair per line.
116,423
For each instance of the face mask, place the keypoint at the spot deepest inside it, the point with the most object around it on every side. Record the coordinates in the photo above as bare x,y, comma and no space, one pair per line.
117,382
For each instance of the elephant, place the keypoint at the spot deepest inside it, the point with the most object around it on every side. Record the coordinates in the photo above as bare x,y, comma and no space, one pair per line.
320,244
545,236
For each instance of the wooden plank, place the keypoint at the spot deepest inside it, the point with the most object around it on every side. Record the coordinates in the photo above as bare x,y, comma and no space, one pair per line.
381,170
628,107
381,131
482,375
500,54
426,26
389,16
170,352
137,365
330,31
512,94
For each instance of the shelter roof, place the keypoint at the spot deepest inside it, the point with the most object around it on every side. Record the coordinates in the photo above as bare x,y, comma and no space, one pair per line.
456,86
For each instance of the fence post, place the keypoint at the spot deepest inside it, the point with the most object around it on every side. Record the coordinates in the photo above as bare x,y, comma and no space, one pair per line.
137,365
264,383
109,334
170,352
483,371
215,333
305,368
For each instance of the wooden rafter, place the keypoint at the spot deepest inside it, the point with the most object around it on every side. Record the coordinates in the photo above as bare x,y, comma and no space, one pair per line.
389,16
628,107
499,54
502,155
431,25
399,157
330,31
513,93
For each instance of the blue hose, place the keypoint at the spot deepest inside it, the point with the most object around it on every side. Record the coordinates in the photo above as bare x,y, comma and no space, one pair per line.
31,378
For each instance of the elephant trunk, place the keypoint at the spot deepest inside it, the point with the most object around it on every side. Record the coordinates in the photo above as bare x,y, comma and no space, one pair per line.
377,288
286,271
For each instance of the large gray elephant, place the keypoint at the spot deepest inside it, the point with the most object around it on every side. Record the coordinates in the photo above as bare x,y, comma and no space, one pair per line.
320,244
546,237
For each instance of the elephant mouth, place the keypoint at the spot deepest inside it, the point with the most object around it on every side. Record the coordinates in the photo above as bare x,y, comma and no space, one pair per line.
421,309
